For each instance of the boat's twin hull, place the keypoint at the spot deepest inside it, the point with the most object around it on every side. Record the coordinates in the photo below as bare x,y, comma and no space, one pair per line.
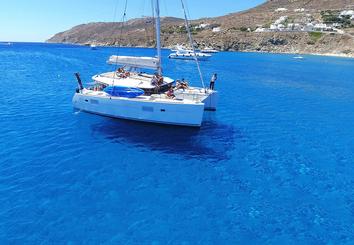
148,111
209,98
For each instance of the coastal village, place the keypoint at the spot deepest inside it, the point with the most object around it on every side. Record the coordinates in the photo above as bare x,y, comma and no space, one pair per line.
300,21
330,21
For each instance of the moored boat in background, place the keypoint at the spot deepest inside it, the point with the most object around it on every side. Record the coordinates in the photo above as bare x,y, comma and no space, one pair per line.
188,54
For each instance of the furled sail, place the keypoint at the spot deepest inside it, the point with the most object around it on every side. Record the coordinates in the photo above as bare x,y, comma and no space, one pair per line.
133,61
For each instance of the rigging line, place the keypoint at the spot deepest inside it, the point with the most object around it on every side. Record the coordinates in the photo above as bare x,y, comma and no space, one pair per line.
158,36
113,30
163,34
120,37
147,25
114,20
144,7
145,18
121,29
187,9
123,22
154,29
115,11
153,21
186,21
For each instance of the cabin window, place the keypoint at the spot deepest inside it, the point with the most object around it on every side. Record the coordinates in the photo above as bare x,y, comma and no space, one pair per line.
163,110
148,108
95,102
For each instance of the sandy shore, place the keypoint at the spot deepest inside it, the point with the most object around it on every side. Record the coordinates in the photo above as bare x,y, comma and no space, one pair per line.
341,55
335,55
351,56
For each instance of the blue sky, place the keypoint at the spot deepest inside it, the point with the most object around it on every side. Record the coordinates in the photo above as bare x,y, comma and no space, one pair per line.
38,20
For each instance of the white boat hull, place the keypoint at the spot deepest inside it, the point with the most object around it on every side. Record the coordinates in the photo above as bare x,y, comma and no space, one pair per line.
211,101
208,97
189,57
142,109
209,50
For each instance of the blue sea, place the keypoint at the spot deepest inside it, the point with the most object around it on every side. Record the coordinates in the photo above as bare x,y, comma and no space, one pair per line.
273,165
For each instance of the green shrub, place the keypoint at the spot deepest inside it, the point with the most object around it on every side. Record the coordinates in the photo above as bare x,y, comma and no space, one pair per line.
181,29
243,29
315,36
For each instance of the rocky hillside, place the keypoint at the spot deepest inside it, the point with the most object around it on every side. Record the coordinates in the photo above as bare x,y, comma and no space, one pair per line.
135,32
237,31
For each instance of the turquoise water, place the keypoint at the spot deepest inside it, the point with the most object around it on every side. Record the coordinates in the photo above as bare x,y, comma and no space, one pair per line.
273,165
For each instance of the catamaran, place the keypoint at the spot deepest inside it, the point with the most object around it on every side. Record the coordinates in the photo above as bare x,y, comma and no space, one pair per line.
129,93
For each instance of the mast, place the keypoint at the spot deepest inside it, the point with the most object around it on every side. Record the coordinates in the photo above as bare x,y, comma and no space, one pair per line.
158,37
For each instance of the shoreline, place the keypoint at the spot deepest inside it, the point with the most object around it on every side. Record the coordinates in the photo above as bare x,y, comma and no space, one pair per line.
349,56
299,54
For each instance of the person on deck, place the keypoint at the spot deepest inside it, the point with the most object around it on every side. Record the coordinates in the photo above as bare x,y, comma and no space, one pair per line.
120,70
212,81
170,94
181,84
155,80
159,79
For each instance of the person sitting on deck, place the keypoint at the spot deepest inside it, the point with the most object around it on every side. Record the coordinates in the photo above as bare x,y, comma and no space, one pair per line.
155,80
170,93
159,80
126,74
182,84
122,73
120,70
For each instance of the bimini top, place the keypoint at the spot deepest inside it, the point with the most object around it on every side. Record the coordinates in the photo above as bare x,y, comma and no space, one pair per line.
133,61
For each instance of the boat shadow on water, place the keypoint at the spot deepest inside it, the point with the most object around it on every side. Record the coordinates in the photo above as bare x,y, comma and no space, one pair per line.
213,141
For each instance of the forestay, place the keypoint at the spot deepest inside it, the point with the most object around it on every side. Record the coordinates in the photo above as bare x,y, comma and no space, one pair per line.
133,61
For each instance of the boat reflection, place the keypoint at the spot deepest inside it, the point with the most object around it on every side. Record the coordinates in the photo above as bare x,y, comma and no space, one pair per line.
213,141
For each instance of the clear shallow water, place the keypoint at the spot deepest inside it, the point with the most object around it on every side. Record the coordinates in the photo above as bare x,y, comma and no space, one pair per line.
274,164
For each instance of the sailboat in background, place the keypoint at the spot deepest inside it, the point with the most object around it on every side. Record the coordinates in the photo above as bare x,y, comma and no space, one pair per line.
93,47
129,93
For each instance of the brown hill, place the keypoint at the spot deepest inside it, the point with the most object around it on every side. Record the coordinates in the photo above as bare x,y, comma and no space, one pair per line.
135,32
233,34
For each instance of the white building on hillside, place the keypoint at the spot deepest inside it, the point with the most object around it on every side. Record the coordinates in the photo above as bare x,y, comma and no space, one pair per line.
281,20
347,13
260,29
281,10
299,10
322,27
308,27
202,26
